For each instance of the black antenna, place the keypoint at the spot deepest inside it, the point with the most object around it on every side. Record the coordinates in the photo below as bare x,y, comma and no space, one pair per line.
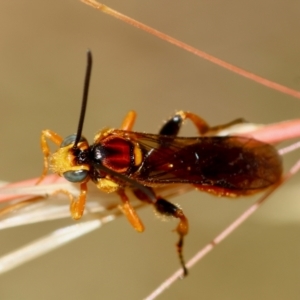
147,192
84,97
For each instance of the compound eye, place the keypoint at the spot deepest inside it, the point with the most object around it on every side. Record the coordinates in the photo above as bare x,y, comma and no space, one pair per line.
70,140
76,176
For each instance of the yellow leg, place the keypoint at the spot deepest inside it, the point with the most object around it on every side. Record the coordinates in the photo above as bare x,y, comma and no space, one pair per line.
56,139
76,205
130,213
129,120
18,205
203,126
200,124
216,129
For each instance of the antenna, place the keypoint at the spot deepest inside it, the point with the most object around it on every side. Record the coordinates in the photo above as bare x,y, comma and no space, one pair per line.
84,97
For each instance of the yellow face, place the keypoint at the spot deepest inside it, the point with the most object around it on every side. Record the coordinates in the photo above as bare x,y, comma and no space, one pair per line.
62,162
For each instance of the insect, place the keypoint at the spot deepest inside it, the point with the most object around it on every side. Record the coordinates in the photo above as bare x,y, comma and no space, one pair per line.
121,158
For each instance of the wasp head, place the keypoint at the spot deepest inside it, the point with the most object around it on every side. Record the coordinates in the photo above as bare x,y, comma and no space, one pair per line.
71,162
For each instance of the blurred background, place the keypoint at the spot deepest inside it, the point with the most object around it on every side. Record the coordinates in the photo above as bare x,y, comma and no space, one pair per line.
42,58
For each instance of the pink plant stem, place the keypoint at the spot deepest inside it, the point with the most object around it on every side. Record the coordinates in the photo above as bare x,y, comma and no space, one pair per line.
263,81
278,132
49,179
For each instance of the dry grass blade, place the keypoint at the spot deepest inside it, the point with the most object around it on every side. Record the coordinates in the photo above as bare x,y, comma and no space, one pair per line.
268,83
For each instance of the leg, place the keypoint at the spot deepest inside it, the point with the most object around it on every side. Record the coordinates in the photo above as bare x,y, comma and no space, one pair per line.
216,129
173,125
18,205
76,205
169,209
56,139
130,212
129,120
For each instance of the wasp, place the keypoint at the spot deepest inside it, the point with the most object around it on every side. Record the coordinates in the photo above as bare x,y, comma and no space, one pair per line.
121,158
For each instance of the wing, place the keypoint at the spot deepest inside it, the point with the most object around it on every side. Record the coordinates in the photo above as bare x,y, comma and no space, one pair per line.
233,163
